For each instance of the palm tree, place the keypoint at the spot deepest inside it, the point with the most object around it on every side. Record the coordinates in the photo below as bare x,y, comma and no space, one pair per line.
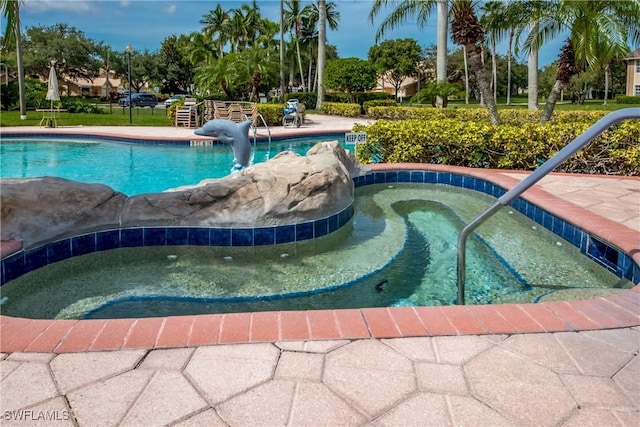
528,18
256,63
566,70
421,9
11,12
595,26
216,22
467,31
281,50
198,49
332,16
294,16
511,19
493,22
219,74
322,45
237,30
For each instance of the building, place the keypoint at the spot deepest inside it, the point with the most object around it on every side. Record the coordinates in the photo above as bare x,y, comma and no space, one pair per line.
633,73
408,87
99,87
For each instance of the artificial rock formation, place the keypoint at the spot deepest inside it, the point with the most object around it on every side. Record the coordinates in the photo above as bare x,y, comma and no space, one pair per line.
284,190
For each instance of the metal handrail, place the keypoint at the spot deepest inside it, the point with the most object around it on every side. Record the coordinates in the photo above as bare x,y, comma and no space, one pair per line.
255,131
544,169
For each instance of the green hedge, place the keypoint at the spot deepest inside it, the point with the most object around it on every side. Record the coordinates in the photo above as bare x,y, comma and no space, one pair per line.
510,146
515,117
272,113
377,103
341,109
624,99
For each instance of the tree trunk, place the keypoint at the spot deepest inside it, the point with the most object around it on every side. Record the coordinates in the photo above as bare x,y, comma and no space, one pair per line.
322,45
551,102
532,74
441,53
21,87
475,56
494,68
282,50
481,50
302,82
466,75
509,68
310,72
606,83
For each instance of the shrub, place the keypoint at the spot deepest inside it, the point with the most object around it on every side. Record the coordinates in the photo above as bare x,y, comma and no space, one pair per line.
272,113
336,97
624,99
73,105
340,109
378,103
477,143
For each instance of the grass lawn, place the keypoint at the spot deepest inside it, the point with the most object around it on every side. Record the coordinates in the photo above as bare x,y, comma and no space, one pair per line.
118,116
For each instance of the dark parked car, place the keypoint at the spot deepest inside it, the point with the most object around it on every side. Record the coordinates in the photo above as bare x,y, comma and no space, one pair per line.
139,100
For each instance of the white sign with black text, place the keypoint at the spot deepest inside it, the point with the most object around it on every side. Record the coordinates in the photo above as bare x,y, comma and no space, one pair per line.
355,138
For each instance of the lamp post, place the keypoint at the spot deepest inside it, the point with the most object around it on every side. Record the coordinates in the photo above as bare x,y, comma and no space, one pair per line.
128,51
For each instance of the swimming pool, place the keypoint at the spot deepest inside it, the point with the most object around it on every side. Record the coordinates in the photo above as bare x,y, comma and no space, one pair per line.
402,237
133,168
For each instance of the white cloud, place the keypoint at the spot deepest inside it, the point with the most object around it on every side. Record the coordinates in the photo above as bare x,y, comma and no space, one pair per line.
171,8
40,6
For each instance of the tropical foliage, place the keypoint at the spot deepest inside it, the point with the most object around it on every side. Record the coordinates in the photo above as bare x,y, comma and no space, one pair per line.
515,144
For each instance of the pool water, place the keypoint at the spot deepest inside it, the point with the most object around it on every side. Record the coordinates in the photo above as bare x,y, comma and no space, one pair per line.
402,236
133,168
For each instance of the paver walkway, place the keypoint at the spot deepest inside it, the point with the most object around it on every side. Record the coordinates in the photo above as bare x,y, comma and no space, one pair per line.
568,379
543,379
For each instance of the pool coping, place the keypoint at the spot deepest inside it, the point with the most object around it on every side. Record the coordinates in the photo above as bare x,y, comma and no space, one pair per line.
615,311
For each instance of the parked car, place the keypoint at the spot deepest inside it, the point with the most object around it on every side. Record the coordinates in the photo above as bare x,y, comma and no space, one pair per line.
139,100
173,99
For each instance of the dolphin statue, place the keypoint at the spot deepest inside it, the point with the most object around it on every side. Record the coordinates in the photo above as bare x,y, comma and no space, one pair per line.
232,133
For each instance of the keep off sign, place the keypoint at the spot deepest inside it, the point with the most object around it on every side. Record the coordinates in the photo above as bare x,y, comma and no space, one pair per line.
355,138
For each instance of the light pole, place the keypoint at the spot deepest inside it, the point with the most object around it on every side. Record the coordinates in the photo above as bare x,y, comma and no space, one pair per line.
128,51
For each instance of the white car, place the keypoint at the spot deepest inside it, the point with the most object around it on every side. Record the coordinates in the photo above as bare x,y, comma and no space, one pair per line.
173,99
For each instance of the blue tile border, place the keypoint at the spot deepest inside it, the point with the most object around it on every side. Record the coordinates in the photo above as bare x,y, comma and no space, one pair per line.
605,254
23,262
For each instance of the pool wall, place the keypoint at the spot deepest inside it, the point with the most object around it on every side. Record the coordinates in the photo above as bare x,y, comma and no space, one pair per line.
612,258
194,140
593,232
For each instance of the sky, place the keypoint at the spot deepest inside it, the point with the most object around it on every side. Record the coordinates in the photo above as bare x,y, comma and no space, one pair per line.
146,23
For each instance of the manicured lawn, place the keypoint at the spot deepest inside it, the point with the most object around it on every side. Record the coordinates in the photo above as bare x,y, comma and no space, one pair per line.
118,116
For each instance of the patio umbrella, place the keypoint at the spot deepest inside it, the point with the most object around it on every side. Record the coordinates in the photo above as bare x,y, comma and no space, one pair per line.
52,90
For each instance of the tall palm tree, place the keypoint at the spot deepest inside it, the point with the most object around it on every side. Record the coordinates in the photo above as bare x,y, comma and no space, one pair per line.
332,16
492,21
237,30
11,12
294,16
592,24
511,19
219,74
198,49
406,10
467,31
281,50
322,45
216,23
528,17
